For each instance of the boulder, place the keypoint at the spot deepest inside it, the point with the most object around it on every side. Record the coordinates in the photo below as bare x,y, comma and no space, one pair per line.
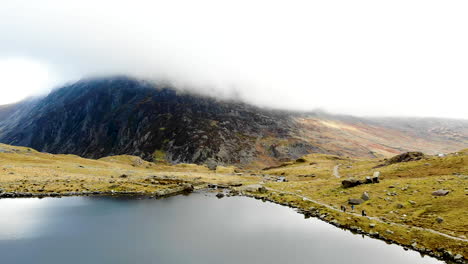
440,193
365,196
212,164
355,201
188,187
253,188
439,220
399,206
406,157
348,183
220,195
281,179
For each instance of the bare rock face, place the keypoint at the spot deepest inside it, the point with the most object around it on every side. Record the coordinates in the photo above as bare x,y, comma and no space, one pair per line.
113,116
100,117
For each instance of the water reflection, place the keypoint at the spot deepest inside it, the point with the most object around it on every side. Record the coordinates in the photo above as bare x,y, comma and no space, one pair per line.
25,218
182,229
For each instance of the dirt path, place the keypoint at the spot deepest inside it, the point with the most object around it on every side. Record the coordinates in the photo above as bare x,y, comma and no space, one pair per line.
370,217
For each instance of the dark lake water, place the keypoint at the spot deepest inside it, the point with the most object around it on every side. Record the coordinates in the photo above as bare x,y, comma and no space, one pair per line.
198,228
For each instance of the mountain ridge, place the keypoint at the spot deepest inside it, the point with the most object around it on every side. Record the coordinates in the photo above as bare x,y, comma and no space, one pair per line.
99,117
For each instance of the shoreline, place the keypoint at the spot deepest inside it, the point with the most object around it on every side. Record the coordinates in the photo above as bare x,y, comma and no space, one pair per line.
187,188
446,256
315,212
323,215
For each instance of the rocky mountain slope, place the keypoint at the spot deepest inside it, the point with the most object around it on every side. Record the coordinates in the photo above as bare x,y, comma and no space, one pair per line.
111,116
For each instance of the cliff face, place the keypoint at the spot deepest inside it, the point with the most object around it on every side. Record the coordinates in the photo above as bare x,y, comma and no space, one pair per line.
102,117
110,116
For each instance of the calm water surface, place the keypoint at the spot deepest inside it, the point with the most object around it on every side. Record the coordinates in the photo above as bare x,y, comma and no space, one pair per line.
198,228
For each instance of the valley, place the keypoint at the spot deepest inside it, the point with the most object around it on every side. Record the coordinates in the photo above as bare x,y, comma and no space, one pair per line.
400,209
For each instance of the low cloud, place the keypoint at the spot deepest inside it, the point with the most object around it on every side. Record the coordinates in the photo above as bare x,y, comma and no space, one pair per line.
355,57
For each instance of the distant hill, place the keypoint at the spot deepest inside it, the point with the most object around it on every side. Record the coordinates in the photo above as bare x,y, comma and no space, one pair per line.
112,116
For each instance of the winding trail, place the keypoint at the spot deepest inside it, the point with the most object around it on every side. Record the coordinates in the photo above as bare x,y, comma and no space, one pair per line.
336,172
370,217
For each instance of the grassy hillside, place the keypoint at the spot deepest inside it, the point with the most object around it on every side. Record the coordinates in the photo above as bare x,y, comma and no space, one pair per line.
26,170
401,207
403,196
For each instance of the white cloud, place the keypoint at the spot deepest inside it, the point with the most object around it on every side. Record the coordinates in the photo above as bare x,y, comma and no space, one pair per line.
21,78
356,57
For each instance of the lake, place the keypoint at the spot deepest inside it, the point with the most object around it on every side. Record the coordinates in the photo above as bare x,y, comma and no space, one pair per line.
198,228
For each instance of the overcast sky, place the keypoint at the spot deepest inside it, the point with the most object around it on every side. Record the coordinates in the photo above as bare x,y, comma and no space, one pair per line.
397,58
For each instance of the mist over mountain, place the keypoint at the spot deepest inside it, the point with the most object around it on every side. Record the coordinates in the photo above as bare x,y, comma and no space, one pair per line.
120,115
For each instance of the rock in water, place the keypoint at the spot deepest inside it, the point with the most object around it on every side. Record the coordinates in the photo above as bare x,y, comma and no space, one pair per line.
220,195
440,193
188,187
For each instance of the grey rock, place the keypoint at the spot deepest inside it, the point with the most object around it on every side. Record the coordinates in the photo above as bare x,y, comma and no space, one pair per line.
253,188
439,220
348,183
440,193
365,196
355,201
220,195
188,187
212,164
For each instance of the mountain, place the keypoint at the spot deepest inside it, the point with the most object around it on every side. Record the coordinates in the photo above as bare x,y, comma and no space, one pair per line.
100,117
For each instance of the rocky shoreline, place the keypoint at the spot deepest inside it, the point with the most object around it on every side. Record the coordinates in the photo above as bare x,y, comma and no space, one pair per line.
440,254
186,188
